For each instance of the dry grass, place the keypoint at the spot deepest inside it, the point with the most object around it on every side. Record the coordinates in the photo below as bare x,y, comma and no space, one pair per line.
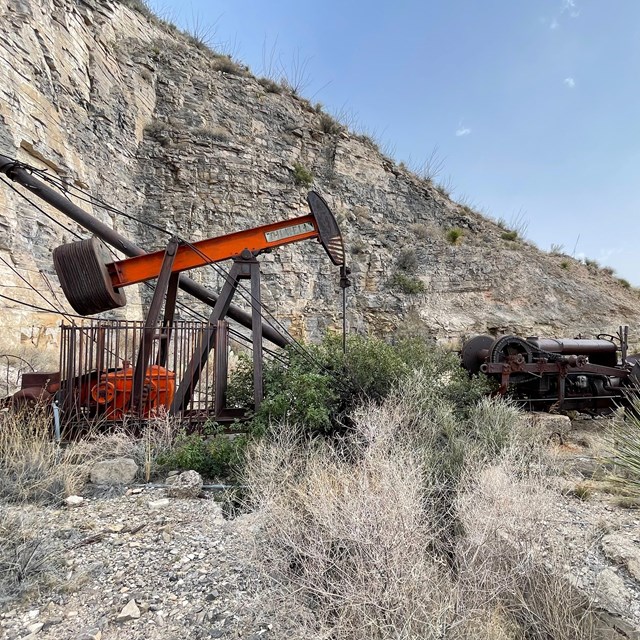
422,524
337,537
29,559
33,468
506,561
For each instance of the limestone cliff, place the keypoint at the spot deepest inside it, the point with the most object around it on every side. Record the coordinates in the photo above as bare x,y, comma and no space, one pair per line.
136,114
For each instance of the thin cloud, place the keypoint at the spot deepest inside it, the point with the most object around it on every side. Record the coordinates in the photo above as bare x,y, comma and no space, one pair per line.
568,7
569,82
462,131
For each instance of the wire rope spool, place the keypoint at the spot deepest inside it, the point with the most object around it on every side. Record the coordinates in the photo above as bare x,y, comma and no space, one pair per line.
83,275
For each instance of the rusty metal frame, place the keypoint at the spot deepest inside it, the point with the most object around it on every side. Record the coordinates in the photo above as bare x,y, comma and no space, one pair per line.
89,351
245,267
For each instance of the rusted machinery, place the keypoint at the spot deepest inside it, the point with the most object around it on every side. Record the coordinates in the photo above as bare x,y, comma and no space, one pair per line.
557,374
112,369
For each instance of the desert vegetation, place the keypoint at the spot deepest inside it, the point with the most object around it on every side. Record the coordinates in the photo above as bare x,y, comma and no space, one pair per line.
419,522
391,497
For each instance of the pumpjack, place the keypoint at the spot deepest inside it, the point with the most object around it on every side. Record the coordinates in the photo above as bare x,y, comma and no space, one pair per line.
93,284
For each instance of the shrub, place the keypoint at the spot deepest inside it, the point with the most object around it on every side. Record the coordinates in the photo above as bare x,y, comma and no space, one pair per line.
582,492
317,393
422,230
301,175
594,265
624,283
229,66
454,234
141,6
329,125
211,456
556,249
347,541
510,236
29,558
444,190
407,261
32,466
406,284
372,536
270,86
565,264
216,134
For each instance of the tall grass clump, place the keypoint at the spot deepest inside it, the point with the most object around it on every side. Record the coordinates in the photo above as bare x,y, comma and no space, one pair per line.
623,444
33,468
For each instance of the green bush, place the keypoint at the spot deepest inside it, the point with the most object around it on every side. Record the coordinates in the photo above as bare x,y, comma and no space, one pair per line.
406,284
318,394
301,175
564,264
454,234
211,456
511,236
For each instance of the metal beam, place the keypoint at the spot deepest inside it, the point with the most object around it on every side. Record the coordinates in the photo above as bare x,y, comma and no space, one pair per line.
16,172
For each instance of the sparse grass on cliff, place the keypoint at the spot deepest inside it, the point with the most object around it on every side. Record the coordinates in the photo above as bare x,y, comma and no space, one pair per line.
301,175
454,235
510,236
404,283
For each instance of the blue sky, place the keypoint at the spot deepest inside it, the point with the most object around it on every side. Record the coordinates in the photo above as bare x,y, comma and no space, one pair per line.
533,106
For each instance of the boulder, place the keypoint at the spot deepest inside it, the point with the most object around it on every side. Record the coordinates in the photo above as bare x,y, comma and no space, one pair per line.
186,485
113,472
623,551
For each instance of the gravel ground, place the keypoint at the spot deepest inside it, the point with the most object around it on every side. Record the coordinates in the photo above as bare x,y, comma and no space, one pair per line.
134,569
183,565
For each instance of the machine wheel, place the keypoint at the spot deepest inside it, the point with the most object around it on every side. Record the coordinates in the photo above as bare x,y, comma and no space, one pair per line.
83,275
511,346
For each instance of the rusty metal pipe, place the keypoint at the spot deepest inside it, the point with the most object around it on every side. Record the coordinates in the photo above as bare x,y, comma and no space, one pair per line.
17,173
599,351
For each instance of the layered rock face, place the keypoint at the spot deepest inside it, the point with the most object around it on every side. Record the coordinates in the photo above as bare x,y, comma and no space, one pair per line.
134,113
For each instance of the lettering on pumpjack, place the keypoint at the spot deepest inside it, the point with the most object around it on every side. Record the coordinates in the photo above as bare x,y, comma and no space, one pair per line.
288,232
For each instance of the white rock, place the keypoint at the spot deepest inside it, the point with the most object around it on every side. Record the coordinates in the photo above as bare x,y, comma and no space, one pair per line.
610,587
186,485
74,501
130,612
155,505
624,551
114,471
35,627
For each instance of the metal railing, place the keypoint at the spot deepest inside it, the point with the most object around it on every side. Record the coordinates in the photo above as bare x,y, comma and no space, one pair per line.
96,359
